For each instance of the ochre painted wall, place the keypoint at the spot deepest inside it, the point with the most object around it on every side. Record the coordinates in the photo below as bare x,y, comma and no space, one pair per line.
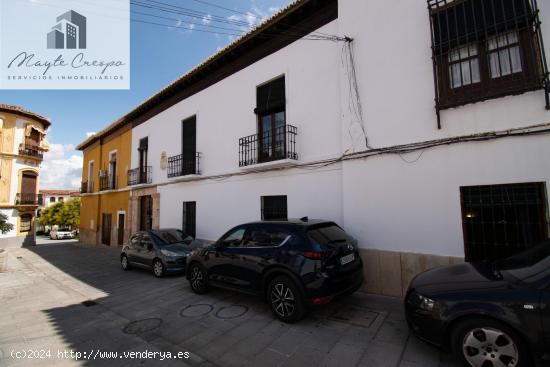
7,137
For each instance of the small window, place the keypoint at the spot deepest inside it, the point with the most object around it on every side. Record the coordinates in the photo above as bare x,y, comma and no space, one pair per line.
503,220
504,55
52,199
60,199
274,207
25,223
464,66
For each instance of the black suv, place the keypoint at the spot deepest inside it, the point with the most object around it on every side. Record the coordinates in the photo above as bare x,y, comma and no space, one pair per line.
293,264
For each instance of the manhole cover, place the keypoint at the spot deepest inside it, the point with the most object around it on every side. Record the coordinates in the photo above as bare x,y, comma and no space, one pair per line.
231,312
142,326
355,316
196,310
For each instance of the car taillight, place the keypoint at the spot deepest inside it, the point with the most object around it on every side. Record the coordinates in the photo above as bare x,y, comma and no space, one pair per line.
317,255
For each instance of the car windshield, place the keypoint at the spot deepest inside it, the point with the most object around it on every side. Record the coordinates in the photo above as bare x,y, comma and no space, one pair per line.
172,236
528,266
327,233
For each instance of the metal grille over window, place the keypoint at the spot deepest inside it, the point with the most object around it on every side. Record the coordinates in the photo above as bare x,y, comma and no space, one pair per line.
502,220
274,207
484,49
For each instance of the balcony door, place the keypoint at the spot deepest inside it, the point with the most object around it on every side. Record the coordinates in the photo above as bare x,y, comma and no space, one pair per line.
112,170
28,188
271,136
143,153
188,145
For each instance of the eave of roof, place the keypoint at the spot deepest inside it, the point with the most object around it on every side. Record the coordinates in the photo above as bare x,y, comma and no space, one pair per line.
25,113
164,92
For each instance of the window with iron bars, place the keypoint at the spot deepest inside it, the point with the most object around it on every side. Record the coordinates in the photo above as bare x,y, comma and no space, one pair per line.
274,207
484,49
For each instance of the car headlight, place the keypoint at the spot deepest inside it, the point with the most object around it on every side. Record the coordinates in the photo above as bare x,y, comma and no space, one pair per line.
425,303
170,253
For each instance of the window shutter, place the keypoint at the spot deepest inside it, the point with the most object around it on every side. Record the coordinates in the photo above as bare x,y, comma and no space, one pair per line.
455,25
270,97
143,144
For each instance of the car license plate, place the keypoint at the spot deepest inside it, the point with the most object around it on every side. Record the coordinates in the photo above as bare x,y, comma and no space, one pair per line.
347,259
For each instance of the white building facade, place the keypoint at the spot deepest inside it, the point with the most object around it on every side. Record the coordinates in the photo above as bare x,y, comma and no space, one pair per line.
375,131
22,146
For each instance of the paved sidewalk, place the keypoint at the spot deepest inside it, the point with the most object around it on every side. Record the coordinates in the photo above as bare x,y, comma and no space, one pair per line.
41,299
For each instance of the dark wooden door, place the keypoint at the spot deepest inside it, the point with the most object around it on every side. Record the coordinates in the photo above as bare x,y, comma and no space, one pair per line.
28,188
106,229
146,213
121,229
189,145
189,218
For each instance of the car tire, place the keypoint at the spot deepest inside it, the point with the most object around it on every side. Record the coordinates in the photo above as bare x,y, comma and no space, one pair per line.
198,278
158,268
476,340
286,300
124,263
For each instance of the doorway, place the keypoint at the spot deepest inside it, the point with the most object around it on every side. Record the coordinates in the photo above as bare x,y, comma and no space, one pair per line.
120,234
106,229
146,213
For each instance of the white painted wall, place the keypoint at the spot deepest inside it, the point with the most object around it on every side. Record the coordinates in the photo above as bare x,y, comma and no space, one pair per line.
383,201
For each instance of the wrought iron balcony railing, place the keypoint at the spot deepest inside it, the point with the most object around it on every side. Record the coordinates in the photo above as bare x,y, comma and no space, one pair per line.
31,151
270,145
87,187
141,175
28,199
108,182
180,165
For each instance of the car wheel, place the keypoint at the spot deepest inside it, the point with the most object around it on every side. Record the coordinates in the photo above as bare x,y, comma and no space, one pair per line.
483,342
286,300
198,279
158,268
124,262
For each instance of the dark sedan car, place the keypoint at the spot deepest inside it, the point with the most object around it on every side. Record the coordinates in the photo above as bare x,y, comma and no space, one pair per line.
491,314
293,264
162,250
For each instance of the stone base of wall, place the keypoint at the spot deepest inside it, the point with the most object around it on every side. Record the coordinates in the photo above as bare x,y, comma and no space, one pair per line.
88,236
389,273
17,241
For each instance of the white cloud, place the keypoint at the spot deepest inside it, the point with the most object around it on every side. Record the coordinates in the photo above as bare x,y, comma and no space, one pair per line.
90,133
61,168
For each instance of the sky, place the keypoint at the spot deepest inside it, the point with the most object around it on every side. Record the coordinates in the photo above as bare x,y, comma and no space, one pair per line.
77,113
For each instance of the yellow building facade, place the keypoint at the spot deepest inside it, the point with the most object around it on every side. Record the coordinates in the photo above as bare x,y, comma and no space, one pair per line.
104,192
22,147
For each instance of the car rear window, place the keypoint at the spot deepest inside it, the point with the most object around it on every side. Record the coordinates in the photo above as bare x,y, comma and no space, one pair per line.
327,233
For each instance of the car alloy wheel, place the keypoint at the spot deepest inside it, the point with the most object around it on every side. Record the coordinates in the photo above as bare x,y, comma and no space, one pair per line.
158,268
124,262
282,300
489,347
197,279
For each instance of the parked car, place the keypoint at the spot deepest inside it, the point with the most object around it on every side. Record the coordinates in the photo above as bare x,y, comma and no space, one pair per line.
61,234
162,250
490,313
292,264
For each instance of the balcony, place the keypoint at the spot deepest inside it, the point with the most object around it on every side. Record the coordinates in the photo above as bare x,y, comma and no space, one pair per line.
30,150
180,165
138,176
28,199
108,182
277,144
87,187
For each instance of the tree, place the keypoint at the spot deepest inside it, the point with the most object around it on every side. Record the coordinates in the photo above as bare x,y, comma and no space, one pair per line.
5,227
65,214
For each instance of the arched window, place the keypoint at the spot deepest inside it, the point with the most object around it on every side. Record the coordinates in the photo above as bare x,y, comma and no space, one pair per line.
25,223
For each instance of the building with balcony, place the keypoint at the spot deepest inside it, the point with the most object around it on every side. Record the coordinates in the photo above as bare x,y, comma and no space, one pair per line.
22,146
105,190
425,137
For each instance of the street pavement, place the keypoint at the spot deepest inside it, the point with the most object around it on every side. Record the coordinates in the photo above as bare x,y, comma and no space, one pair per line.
60,297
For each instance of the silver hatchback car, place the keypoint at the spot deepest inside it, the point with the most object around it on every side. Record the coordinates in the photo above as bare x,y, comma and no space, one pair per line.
162,250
